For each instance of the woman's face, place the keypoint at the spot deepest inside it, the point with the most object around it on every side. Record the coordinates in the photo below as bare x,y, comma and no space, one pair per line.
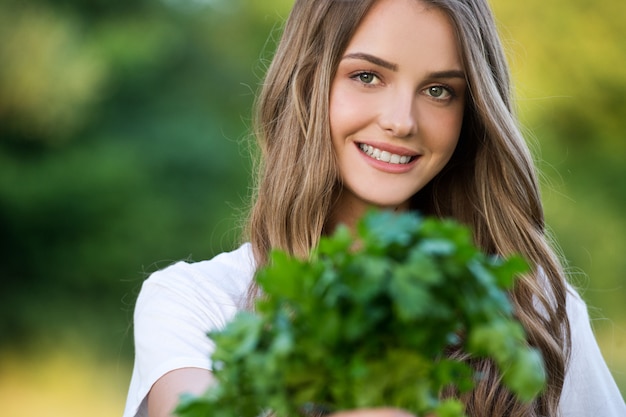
396,106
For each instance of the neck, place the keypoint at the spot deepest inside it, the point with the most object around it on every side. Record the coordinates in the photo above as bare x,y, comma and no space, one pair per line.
348,211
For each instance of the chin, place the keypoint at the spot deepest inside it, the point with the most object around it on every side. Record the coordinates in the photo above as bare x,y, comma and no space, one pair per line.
390,204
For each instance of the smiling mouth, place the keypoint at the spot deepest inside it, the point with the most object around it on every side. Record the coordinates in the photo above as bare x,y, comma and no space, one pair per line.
385,156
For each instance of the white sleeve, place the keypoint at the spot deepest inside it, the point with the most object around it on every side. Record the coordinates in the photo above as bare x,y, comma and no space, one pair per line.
589,388
174,311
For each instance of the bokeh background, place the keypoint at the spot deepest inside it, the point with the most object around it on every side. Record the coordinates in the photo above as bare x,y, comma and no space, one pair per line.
124,129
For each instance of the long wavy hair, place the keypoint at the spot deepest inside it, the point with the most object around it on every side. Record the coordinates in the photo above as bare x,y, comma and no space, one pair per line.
490,183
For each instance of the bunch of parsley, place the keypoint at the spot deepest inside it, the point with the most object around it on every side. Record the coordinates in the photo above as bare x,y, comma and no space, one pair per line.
365,324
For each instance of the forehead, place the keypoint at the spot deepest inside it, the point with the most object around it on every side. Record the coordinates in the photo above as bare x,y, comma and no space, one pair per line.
406,31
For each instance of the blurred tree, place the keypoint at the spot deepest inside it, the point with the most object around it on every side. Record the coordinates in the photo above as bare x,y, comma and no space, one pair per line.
568,61
49,77
122,127
568,66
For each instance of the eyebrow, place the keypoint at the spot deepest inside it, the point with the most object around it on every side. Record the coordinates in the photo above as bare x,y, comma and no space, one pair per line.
373,59
447,74
394,67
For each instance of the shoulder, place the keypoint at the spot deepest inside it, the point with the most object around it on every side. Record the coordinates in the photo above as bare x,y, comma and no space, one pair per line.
198,296
576,309
589,387
176,308
226,275
233,265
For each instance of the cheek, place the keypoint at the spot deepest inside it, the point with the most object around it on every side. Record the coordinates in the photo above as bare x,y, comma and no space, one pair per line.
347,111
339,113
453,131
442,129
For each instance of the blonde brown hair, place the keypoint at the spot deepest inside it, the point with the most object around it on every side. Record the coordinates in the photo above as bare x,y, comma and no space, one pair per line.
490,183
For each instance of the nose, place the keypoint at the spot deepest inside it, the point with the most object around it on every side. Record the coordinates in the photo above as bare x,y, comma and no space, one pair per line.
398,116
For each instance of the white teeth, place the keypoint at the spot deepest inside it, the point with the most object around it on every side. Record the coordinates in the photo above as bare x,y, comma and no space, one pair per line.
384,156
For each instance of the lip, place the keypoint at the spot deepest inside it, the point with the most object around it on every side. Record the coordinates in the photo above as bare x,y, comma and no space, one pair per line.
399,150
386,166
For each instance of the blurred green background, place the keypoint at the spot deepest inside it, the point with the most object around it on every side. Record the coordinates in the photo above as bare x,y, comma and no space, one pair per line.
123,147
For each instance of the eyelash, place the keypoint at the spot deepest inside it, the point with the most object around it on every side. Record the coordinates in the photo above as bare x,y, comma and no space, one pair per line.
447,89
357,77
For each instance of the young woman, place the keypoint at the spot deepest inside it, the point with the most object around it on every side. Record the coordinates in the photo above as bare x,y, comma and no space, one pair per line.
398,104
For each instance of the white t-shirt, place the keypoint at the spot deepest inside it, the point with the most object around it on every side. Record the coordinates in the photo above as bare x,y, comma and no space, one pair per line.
177,306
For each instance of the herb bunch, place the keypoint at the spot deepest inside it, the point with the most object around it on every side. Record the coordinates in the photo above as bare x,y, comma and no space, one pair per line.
365,324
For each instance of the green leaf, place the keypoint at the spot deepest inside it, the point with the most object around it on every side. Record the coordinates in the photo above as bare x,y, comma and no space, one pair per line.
412,300
450,408
284,279
507,270
365,324
385,229
526,375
